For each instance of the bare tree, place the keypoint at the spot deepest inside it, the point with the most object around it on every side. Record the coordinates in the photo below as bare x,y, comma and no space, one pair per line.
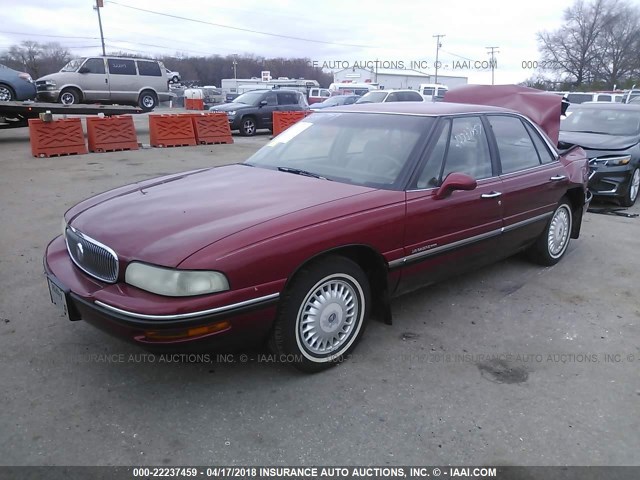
35,58
572,48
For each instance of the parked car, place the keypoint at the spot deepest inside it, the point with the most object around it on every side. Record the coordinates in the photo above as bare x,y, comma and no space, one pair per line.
433,92
253,110
335,101
15,85
174,77
610,134
346,210
379,96
317,95
212,96
123,80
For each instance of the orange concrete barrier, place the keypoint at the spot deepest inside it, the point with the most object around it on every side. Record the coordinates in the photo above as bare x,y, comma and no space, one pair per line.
283,120
194,103
59,137
111,134
171,131
211,128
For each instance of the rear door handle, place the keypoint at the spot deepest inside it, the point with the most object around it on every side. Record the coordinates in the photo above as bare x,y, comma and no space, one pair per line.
557,178
491,195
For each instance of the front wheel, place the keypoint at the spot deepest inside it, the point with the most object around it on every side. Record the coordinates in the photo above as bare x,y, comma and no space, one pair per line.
248,127
323,314
552,244
69,96
632,190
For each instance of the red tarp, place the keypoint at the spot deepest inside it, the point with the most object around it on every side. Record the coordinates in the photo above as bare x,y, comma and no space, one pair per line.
542,107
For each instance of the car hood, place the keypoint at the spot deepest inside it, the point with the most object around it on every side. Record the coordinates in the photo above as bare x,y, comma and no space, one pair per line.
597,141
166,220
229,107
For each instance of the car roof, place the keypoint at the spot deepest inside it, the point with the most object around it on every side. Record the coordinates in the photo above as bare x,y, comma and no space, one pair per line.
420,108
608,106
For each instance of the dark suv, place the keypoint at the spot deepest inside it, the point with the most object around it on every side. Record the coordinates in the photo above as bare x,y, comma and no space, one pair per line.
253,110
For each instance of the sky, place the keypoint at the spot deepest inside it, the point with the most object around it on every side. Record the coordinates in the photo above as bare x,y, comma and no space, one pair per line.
329,32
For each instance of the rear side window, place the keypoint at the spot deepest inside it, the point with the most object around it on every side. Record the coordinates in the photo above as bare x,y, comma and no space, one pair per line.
579,97
287,98
541,146
604,98
149,69
94,65
515,147
121,67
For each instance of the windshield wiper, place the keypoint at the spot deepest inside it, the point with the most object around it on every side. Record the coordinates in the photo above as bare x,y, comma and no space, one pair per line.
305,173
588,131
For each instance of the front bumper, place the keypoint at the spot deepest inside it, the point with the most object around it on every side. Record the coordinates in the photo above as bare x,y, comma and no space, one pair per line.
48,95
220,328
610,181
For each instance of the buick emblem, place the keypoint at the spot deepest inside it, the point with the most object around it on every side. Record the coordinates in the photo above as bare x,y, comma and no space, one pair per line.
79,251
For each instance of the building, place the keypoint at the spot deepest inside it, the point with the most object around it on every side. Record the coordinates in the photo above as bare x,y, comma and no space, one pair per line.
394,78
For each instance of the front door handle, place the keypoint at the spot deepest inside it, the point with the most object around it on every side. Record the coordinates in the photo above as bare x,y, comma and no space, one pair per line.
491,195
557,178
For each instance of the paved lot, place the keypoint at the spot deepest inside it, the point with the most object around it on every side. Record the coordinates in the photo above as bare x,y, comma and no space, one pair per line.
422,391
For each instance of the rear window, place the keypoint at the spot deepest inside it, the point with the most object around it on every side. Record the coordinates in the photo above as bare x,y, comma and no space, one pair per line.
121,67
149,69
579,97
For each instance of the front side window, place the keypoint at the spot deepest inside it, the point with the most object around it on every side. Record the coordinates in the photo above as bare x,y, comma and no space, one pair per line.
430,175
73,65
411,97
468,150
515,147
287,98
271,99
360,149
94,65
121,67
149,69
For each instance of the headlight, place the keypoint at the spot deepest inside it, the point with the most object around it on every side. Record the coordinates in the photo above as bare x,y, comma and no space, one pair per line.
174,283
50,83
612,161
231,113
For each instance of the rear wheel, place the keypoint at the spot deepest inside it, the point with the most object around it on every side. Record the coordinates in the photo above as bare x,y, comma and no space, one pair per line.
323,314
147,100
248,126
632,190
552,244
69,96
6,93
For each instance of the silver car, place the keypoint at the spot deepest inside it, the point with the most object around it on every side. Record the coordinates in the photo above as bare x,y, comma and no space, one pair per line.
122,80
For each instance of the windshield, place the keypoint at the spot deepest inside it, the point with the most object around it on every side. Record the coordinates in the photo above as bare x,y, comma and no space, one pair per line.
73,65
360,149
249,98
373,97
605,121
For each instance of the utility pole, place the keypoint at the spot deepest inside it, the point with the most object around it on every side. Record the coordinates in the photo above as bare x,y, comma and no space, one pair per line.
99,5
235,75
438,45
493,51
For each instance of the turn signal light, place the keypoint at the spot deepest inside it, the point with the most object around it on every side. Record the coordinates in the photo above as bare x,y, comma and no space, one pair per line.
160,336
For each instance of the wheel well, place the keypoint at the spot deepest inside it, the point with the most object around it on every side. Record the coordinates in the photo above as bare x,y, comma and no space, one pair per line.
148,90
8,86
576,199
374,267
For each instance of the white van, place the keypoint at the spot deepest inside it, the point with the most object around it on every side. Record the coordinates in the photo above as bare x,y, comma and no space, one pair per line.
433,91
124,80
348,88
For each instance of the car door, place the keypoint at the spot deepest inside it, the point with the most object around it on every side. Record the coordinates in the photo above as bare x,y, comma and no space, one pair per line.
532,177
123,80
460,231
94,81
265,112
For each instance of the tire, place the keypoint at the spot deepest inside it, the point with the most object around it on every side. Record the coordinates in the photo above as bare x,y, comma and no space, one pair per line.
631,194
6,93
175,80
147,100
248,126
552,244
69,96
334,327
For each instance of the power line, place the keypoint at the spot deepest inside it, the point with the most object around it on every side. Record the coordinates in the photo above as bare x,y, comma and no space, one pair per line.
178,17
50,36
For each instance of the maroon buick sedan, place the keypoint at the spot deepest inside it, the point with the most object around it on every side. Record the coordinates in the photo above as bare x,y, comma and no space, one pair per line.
312,235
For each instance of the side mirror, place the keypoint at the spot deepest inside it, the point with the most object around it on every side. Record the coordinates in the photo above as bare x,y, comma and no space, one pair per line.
84,70
455,181
263,103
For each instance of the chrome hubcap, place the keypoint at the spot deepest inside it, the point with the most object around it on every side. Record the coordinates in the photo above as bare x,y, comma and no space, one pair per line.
147,101
329,316
67,99
249,127
5,94
559,231
635,184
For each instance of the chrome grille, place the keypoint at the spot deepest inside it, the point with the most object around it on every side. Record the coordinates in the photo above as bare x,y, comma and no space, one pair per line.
91,256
